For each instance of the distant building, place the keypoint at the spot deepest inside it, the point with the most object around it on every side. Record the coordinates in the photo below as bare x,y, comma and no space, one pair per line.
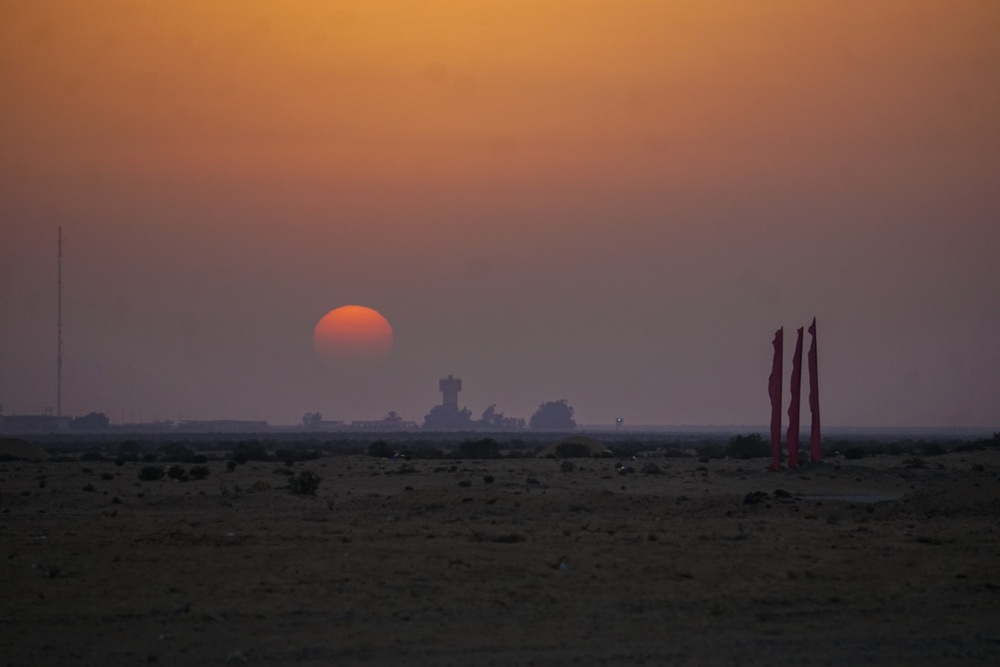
164,426
384,425
33,424
222,426
449,388
447,416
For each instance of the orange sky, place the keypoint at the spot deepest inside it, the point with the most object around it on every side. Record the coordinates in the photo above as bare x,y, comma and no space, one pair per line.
373,92
624,197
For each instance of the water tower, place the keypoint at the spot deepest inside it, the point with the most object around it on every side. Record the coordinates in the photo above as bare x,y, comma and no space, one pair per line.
449,388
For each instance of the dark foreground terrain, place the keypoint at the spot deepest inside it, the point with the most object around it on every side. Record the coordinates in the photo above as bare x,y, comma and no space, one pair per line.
885,560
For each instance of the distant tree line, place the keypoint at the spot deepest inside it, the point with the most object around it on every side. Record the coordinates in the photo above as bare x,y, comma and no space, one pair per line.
450,417
550,416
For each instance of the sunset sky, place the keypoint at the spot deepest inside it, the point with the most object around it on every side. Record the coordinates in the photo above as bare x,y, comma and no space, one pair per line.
615,202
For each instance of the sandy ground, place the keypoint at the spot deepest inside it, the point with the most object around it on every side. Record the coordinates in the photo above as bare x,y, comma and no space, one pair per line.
425,562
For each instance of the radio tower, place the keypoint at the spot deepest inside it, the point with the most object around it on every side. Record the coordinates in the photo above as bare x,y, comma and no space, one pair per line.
59,330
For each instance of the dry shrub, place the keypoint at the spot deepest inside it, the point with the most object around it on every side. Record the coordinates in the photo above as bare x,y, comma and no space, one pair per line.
151,473
305,483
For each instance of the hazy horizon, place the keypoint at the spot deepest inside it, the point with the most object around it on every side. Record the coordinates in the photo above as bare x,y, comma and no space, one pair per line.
612,203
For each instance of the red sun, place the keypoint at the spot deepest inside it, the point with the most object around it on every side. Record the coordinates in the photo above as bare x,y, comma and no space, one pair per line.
353,335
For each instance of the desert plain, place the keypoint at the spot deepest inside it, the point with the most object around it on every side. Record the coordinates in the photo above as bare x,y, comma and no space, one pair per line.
664,560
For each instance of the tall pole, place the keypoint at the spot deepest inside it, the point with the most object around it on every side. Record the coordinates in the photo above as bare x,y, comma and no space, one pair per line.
792,438
815,439
774,389
59,331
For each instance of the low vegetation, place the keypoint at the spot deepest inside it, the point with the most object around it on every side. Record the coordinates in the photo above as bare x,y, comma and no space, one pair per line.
750,446
487,448
177,472
304,483
151,473
572,450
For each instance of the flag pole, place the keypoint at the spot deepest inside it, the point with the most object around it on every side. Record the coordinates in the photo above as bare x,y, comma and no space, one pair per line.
792,437
774,389
815,440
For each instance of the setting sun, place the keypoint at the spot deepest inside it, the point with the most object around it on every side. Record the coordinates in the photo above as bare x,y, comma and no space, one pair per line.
353,334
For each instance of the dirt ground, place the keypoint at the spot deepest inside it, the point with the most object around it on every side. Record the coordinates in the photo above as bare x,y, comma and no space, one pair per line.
885,560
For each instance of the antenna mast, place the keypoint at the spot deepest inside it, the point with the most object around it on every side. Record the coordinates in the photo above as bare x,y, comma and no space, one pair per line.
59,331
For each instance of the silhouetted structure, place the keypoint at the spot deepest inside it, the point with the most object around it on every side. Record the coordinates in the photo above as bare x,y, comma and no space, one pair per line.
384,424
222,426
553,416
447,416
449,388
94,421
34,424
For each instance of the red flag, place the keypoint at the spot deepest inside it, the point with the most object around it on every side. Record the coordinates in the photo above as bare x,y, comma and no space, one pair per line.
774,389
815,446
793,405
